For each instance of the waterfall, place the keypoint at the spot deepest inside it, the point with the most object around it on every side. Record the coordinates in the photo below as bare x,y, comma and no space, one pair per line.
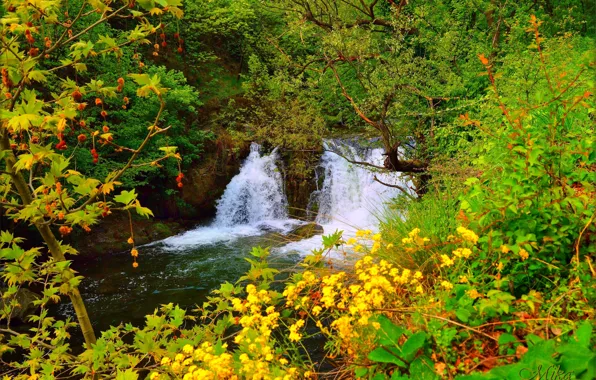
255,195
349,197
350,193
253,201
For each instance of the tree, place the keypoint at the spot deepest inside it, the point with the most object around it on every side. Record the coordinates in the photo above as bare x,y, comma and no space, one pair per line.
42,41
404,69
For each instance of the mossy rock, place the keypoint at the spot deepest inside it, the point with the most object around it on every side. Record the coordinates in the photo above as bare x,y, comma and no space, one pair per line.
305,231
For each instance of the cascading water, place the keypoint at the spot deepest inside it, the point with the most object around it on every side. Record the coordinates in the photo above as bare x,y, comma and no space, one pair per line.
255,195
253,201
349,198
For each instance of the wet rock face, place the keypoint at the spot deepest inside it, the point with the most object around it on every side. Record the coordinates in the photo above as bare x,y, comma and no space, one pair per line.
300,179
25,298
304,232
204,183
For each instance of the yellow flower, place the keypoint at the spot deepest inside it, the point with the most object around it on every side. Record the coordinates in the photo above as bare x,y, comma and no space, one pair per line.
418,275
154,376
463,279
187,349
462,252
419,289
467,235
447,285
165,361
316,310
250,288
376,237
294,335
500,266
179,358
446,261
389,246
504,249
473,293
414,232
351,241
406,240
376,246
523,254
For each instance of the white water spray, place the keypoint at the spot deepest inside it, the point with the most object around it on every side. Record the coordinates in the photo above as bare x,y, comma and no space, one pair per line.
349,199
253,201
255,196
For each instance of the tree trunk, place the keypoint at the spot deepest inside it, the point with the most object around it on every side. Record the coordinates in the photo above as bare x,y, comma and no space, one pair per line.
50,240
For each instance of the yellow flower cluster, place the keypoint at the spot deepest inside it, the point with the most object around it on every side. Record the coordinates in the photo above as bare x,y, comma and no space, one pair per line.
256,355
349,301
414,238
467,235
459,253
199,364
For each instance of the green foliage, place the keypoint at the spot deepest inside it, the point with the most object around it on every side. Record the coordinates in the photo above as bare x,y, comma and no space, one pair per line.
434,214
536,197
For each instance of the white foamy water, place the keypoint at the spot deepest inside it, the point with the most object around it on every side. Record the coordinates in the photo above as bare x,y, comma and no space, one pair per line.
253,203
349,199
255,195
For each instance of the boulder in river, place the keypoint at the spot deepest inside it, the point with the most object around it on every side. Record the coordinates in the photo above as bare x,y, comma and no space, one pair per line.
25,299
305,231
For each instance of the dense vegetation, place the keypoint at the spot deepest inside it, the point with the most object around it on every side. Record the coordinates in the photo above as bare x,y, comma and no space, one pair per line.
488,106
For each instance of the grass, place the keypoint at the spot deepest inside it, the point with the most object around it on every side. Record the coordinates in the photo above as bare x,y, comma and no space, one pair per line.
434,214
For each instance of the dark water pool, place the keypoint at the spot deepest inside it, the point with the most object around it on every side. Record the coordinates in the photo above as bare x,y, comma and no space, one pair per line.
115,292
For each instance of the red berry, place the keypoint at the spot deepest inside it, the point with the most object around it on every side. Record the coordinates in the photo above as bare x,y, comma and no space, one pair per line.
180,50
77,96
104,114
176,35
81,137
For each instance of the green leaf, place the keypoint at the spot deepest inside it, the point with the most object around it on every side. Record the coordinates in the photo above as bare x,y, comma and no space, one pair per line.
412,345
386,355
129,374
389,333
584,333
463,314
423,368
126,197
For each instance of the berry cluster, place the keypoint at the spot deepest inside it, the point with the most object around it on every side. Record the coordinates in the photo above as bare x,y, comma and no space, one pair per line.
95,156
65,230
120,84
61,144
179,180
